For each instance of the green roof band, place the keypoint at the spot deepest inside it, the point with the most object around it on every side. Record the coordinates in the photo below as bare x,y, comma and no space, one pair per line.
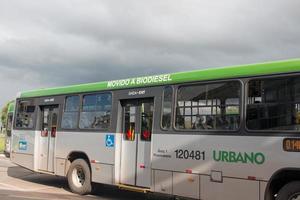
11,107
276,67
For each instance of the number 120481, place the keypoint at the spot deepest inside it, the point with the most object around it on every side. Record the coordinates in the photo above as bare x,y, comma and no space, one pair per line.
190,154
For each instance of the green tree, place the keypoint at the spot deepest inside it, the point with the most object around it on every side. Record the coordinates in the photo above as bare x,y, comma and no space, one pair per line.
4,114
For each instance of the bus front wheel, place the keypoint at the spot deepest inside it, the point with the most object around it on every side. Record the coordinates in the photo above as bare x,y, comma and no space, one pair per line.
290,191
79,177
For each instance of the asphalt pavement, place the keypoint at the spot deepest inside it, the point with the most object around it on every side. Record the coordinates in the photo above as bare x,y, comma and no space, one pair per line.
17,183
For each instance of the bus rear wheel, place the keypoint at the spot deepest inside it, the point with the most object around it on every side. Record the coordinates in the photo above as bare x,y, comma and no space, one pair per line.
79,177
290,191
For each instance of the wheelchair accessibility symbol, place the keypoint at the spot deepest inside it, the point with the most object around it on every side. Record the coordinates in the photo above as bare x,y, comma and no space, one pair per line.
109,140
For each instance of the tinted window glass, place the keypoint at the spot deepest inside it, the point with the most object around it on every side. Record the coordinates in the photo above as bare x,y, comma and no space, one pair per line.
25,114
209,106
146,121
167,108
274,104
72,103
70,115
69,120
96,109
129,122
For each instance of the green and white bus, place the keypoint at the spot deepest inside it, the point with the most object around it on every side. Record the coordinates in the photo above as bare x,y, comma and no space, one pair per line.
9,120
213,134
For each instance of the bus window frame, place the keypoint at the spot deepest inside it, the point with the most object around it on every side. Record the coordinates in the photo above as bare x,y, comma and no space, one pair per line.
262,132
162,108
209,131
80,110
34,116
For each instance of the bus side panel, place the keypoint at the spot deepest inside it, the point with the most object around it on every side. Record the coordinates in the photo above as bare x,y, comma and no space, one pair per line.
263,186
102,173
23,148
94,145
237,157
234,189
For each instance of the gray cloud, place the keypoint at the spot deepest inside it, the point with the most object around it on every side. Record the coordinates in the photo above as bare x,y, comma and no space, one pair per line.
53,43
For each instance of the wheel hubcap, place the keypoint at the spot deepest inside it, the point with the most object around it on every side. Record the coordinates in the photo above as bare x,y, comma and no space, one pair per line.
295,197
78,176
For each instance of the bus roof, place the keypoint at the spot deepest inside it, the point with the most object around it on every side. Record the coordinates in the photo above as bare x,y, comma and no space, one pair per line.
277,67
11,107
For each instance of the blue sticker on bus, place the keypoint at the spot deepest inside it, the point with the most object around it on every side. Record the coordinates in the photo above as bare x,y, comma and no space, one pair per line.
109,140
23,145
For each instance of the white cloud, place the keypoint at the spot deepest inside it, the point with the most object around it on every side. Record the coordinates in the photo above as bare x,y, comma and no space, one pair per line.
74,41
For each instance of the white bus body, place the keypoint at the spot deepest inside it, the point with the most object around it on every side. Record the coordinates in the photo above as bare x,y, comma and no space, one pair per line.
136,152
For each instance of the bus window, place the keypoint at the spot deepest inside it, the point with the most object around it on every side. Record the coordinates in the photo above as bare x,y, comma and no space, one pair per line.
146,121
274,104
24,116
129,122
70,114
167,108
213,106
95,113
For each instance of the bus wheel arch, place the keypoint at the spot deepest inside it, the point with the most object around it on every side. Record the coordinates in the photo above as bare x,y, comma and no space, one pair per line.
76,155
279,179
79,173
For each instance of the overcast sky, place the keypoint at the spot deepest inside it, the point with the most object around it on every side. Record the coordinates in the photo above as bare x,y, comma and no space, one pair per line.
61,42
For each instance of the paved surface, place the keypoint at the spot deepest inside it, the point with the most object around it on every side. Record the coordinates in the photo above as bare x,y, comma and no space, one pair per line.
17,183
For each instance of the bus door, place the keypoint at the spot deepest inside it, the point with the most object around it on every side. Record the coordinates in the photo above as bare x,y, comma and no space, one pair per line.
49,119
136,142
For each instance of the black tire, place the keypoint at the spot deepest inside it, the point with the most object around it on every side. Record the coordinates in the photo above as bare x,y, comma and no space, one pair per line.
79,177
290,191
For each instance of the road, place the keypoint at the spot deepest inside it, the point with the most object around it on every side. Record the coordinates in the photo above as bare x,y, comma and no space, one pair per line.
17,183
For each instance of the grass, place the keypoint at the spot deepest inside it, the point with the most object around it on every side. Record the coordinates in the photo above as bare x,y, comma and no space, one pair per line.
2,143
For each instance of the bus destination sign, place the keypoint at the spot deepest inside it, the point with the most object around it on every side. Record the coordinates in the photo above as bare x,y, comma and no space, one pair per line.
291,144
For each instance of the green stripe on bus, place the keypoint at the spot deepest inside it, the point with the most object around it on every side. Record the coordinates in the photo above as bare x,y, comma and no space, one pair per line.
11,107
181,77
